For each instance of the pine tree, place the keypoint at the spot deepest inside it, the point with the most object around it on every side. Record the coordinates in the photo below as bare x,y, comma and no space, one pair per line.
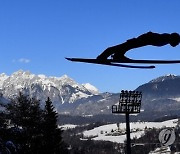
25,114
38,129
53,143
3,128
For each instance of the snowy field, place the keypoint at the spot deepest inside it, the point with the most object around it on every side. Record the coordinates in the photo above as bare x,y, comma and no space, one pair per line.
137,130
67,126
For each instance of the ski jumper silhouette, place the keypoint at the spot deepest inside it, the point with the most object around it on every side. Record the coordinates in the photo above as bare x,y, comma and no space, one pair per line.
118,52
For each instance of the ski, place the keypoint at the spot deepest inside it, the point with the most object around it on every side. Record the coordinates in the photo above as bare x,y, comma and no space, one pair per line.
108,62
146,61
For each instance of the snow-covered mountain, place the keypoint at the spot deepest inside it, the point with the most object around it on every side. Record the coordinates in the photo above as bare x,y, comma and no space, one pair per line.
91,88
60,89
67,95
161,94
164,78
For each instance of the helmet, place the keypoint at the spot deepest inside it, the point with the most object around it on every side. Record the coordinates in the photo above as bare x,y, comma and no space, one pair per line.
174,39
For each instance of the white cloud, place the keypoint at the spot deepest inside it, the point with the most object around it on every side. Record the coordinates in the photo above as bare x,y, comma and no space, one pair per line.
21,60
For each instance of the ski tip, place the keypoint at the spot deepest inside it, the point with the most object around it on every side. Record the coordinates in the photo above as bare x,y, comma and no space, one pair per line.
68,58
152,66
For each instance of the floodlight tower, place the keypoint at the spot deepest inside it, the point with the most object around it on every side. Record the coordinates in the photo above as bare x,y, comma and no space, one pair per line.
129,103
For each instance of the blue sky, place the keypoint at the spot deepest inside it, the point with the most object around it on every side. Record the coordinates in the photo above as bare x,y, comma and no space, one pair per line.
36,35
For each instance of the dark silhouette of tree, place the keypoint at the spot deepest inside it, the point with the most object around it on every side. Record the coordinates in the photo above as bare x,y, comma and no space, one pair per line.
33,129
3,131
26,123
53,143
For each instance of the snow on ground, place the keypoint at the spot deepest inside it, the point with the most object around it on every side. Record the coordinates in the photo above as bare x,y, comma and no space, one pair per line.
67,126
163,150
137,130
118,139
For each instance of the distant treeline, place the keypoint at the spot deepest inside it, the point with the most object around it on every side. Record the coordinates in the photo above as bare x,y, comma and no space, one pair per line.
111,118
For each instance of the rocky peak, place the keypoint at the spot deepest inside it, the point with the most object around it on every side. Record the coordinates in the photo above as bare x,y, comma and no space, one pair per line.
91,88
164,78
60,89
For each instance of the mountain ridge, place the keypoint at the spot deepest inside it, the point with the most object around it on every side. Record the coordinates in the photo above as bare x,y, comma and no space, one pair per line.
69,97
60,89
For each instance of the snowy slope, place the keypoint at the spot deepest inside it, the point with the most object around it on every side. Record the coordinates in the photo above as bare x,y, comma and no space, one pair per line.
137,129
67,126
